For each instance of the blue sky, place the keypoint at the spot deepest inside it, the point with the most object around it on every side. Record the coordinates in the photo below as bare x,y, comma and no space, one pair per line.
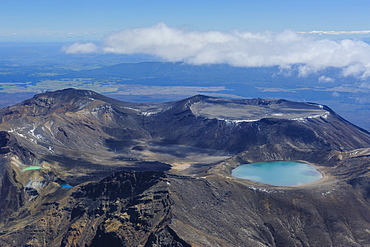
236,32
68,21
244,33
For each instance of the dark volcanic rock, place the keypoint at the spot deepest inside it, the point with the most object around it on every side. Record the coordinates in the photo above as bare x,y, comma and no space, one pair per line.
159,174
235,214
125,209
207,122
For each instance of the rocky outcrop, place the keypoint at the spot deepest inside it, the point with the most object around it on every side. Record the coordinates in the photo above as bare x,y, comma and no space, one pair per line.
125,209
12,194
224,212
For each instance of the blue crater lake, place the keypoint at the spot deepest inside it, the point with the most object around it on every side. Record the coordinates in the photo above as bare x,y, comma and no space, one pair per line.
66,186
280,173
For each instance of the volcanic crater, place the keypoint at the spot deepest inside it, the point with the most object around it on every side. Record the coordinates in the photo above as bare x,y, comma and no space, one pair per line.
159,174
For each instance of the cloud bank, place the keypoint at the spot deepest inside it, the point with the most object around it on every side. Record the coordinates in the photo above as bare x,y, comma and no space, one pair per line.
336,32
243,49
80,47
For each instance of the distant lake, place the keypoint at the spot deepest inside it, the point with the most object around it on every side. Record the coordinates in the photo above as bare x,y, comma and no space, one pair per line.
280,173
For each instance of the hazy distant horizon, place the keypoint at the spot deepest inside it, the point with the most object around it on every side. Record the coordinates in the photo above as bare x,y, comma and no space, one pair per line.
71,21
319,51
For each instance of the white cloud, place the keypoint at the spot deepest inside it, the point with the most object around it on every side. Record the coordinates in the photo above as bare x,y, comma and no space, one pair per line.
365,85
324,79
80,47
336,32
335,94
245,49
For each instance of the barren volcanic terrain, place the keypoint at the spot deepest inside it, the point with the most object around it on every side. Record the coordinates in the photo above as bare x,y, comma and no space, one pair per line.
81,169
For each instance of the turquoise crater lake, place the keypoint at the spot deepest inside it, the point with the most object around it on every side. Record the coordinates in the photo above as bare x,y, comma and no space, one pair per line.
280,173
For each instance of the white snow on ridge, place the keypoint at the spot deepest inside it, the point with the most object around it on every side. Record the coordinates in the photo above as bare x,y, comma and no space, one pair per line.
324,115
130,108
148,113
236,121
304,118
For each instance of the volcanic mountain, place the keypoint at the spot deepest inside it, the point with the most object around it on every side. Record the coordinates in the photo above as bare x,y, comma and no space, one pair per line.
81,169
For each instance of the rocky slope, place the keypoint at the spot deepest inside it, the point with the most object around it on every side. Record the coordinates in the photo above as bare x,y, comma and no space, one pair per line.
81,169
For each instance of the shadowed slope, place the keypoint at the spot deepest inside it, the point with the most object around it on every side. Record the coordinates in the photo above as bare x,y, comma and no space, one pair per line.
160,173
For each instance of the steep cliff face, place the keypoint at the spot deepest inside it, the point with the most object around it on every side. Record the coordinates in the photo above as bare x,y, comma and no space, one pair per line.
12,195
226,212
125,209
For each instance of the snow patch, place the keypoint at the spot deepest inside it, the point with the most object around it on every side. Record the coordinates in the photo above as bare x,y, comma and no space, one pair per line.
149,113
237,121
303,119
130,108
265,190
